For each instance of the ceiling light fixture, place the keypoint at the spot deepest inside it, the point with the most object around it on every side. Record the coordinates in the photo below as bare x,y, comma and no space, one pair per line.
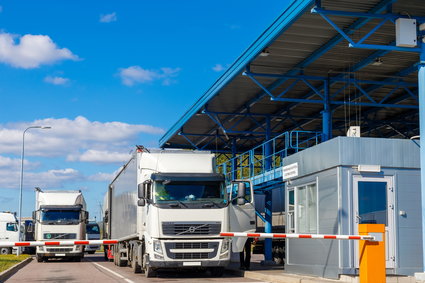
265,53
378,62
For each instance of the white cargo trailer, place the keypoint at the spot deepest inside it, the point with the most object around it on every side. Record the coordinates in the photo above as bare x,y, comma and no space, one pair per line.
60,215
8,230
167,209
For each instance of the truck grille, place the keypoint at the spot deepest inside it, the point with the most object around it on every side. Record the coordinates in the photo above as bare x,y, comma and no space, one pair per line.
173,253
191,256
59,250
193,228
56,236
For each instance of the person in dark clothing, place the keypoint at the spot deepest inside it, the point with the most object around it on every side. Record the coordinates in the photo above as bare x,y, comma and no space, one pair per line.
245,255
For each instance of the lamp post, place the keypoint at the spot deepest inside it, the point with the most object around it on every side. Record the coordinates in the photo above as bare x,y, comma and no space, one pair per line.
22,180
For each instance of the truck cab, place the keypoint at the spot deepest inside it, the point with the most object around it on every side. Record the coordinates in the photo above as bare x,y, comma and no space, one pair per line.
8,230
60,215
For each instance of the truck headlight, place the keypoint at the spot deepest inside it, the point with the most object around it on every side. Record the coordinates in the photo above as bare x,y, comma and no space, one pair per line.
157,249
225,245
157,246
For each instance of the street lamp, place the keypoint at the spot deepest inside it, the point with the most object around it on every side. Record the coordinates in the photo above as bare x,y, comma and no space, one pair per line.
22,179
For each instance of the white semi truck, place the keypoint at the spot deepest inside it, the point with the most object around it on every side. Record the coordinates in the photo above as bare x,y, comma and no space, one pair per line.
60,215
8,230
167,209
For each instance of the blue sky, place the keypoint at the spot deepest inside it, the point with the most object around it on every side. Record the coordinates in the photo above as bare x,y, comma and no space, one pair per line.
106,75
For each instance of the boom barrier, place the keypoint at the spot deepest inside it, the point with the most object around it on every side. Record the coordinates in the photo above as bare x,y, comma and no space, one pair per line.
57,243
299,236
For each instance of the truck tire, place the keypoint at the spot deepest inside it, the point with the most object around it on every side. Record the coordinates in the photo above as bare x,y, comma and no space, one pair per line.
149,272
39,258
134,262
5,251
217,271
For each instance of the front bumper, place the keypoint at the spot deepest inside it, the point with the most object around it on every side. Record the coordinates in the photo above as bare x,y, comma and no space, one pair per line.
91,248
189,264
60,254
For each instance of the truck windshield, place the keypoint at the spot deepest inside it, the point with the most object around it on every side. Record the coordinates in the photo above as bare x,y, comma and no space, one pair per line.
190,194
60,217
92,229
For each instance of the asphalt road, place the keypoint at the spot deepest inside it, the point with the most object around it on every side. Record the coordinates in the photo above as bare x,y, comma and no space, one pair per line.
93,268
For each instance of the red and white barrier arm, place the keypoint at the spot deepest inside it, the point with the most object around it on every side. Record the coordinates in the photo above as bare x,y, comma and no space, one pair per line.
57,243
298,236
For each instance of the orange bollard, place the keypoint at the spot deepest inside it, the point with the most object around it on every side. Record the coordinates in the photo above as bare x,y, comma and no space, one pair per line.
372,254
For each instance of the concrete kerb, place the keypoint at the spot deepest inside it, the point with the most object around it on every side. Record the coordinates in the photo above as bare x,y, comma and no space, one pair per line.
12,270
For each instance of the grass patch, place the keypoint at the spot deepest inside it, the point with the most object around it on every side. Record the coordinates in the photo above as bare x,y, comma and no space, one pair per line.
7,261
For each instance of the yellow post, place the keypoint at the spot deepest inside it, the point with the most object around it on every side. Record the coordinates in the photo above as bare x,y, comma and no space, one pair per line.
372,254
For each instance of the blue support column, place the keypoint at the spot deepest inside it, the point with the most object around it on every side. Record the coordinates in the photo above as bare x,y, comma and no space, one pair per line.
326,114
268,226
234,161
268,151
421,91
268,146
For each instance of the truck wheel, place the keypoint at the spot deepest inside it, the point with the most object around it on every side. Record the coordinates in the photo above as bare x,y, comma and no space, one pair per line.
39,258
5,251
217,271
149,272
77,259
134,263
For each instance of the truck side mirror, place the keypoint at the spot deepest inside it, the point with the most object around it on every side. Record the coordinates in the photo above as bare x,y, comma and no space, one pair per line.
241,193
34,215
86,215
140,191
141,202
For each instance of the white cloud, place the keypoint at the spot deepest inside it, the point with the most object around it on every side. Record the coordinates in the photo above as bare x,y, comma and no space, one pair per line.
31,51
9,178
15,163
108,177
137,75
108,18
56,80
100,156
78,140
218,68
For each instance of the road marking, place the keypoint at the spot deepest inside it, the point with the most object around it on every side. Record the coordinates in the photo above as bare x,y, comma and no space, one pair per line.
113,272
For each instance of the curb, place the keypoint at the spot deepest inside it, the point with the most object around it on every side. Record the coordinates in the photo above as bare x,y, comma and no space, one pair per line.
12,270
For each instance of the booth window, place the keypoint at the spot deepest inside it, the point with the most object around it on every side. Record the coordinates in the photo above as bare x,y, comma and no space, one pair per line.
302,209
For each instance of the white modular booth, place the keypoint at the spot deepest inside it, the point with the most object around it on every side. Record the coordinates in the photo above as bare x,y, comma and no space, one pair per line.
347,181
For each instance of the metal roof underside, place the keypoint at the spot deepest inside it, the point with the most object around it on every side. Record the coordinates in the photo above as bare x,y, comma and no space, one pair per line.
237,111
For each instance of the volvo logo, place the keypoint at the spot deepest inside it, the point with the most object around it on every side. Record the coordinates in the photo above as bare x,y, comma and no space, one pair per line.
192,229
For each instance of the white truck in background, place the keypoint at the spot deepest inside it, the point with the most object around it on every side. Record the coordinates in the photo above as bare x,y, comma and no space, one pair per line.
59,215
167,209
8,230
92,233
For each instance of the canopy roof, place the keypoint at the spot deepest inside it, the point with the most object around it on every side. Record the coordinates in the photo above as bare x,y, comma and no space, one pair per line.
299,66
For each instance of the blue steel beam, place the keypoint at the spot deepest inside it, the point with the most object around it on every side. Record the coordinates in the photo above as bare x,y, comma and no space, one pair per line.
360,43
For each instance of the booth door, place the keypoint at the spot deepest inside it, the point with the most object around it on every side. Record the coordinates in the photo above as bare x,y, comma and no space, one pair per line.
374,204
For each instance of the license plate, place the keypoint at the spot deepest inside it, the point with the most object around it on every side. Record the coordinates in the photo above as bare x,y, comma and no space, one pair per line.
59,254
191,263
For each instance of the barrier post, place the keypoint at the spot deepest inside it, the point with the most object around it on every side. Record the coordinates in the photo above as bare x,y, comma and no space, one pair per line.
372,254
